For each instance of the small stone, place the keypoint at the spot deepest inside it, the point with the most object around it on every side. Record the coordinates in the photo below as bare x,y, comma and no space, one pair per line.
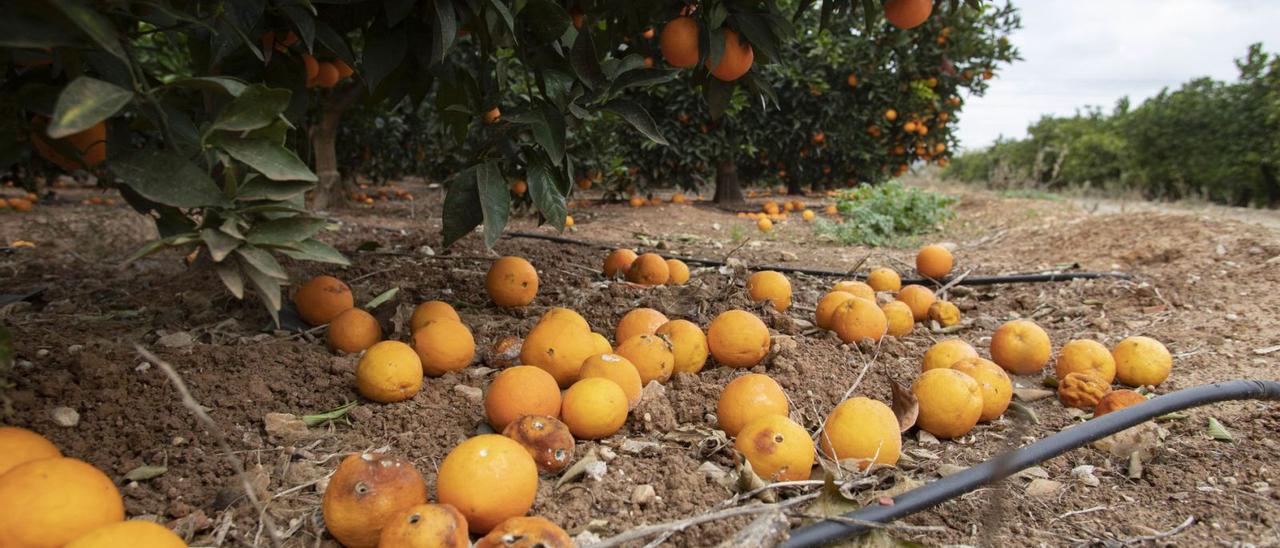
1040,487
596,470
636,447
285,427
586,538
142,367
24,364
1033,473
643,495
787,256
426,251
65,417
926,438
713,472
607,454
178,441
177,339
1084,474
72,349
1032,394
42,353
473,394
1261,487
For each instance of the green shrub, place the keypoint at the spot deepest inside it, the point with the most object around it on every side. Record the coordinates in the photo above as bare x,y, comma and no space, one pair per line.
886,214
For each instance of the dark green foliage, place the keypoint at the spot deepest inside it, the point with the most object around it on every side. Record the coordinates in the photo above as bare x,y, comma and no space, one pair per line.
886,214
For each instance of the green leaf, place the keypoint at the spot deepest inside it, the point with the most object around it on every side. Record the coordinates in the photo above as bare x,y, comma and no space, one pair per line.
145,472
167,178
444,27
637,116
583,60
643,77
267,286
334,42
315,250
397,10
382,54
220,244
262,188
495,201
156,245
305,22
318,419
269,158
85,102
546,20
230,275
22,30
257,106
93,24
382,298
462,201
545,194
217,84
1219,432
500,7
719,93
261,261
284,231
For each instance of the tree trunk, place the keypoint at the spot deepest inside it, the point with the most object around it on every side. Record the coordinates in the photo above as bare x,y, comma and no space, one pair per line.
324,137
793,186
728,191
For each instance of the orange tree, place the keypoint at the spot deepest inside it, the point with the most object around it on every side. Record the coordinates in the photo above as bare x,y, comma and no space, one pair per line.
829,99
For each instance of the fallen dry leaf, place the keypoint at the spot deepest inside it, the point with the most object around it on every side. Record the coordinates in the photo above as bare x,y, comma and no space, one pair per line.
905,406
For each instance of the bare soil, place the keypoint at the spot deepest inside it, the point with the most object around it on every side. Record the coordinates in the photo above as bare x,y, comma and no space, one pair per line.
1205,285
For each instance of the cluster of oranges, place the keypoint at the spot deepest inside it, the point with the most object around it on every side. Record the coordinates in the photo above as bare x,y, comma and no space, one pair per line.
678,198
98,200
679,45
48,500
381,194
647,269
20,204
322,74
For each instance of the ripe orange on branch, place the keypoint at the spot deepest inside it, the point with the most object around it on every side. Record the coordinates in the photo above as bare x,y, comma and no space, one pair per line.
679,42
907,14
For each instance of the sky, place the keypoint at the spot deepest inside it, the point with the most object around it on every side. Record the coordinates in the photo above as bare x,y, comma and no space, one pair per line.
1093,52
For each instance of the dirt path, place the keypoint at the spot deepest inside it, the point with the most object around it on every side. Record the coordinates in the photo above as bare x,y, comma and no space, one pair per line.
1204,285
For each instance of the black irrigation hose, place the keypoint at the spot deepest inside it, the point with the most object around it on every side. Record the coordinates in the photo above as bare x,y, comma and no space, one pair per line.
971,280
932,494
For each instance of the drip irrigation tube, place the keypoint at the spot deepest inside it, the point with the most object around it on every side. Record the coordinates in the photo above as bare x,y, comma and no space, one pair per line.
970,280
935,493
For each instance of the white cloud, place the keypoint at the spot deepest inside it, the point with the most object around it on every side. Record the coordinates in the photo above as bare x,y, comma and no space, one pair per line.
1093,52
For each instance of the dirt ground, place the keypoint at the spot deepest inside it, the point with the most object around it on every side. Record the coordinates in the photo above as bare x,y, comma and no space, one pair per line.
1205,285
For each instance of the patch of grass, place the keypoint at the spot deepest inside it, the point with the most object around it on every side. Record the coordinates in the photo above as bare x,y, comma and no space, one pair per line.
737,233
886,214
1029,193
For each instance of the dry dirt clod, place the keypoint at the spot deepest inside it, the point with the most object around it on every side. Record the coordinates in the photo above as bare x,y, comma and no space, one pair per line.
177,339
643,495
65,417
473,394
1040,487
285,427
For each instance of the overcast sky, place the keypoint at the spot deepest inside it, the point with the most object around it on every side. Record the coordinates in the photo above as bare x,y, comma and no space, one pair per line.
1092,52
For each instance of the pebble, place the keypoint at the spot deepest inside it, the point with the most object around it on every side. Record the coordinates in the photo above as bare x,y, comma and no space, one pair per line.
177,339
1041,487
473,394
75,348
285,426
636,447
42,353
142,367
65,417
713,471
643,495
596,470
607,454
1084,474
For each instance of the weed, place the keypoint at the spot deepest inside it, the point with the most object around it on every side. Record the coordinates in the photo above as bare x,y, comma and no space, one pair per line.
886,214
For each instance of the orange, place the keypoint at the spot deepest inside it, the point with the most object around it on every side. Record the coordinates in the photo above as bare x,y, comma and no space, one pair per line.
353,331
934,261
546,439
601,343
945,353
852,80
679,272
679,42
520,390
617,369
312,68
19,445
91,144
493,115
857,319
1085,356
594,408
906,14
764,224
511,282
736,60
649,269
1142,361
950,402
884,279
489,478
640,321
890,115
366,489
651,355
772,287
688,345
997,389
568,221
328,75
431,310
519,187
389,371
1082,390
444,346
425,526
827,306
136,533
618,261
321,299
559,346
737,338
807,215
1021,347
344,70
898,316
560,313
526,532
1117,400
864,430
748,398
777,448
855,288
945,313
919,298
50,502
